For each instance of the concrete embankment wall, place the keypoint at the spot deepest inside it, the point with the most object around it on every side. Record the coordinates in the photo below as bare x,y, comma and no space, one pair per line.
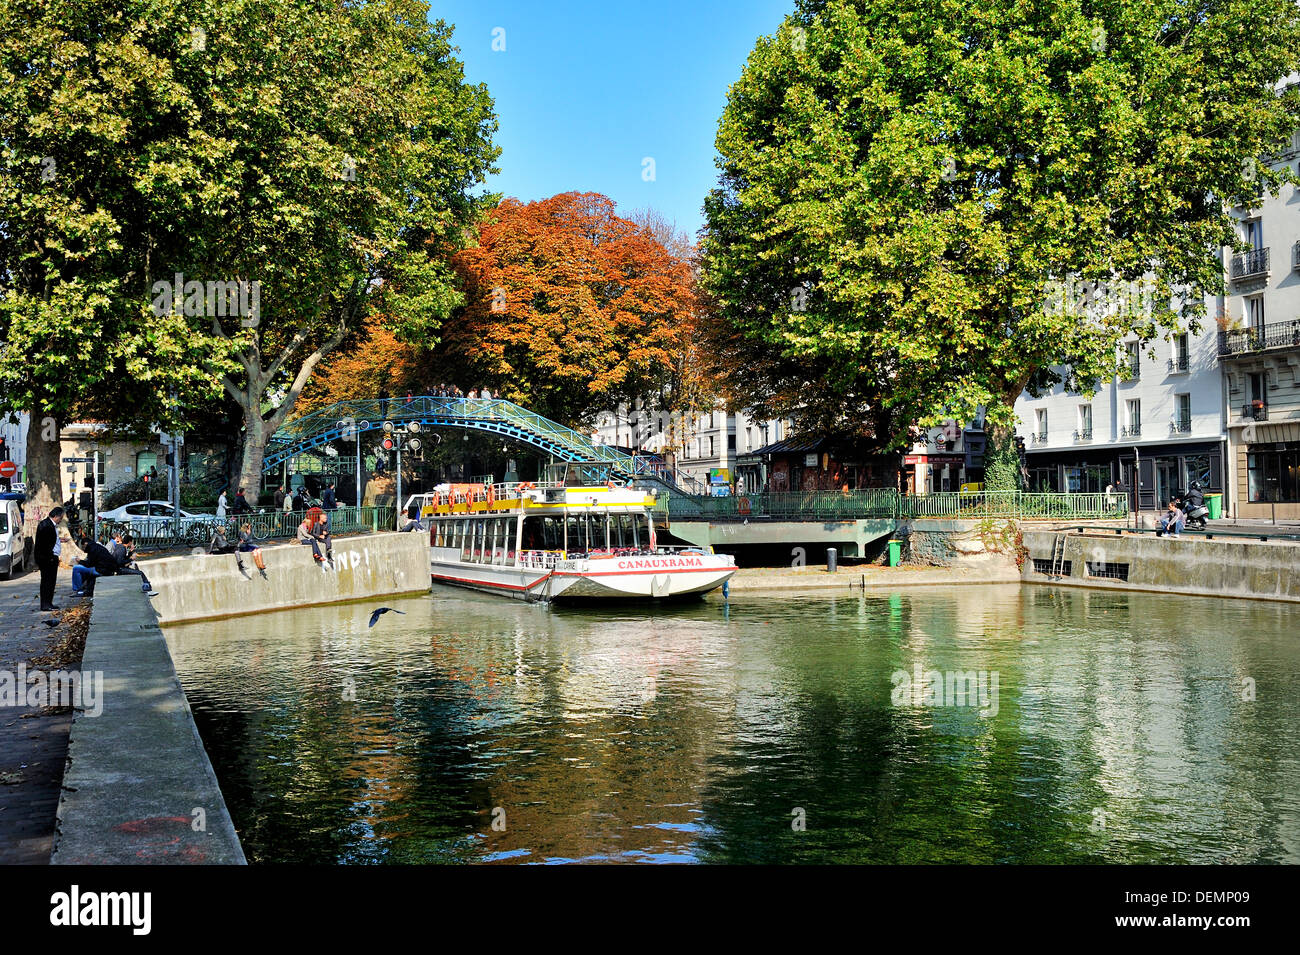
207,586
138,788
1185,565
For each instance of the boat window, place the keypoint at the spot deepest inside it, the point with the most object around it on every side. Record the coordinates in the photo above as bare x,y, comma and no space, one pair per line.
499,541
623,527
641,525
552,533
579,534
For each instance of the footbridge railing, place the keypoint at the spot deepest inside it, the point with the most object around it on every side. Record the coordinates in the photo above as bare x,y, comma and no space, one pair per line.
348,420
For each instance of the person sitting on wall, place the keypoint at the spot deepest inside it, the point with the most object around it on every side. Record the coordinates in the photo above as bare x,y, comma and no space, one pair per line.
1173,521
323,535
248,546
219,544
123,549
310,534
413,517
98,562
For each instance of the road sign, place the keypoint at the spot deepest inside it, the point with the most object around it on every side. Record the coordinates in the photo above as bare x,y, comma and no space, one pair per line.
8,469
78,460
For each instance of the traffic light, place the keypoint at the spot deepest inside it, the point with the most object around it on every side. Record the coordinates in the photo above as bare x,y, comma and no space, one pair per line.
389,444
1020,445
171,459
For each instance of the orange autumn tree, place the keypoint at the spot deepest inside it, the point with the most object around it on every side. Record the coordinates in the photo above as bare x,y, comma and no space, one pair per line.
375,363
569,309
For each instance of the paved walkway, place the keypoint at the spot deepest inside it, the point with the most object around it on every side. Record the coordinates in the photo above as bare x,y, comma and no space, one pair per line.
33,744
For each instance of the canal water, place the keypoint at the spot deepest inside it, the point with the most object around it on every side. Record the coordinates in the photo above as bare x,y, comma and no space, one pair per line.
963,724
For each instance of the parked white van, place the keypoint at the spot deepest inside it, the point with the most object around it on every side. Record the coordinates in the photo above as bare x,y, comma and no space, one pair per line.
13,542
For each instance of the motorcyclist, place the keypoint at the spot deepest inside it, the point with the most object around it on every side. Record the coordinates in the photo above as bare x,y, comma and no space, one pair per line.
1193,504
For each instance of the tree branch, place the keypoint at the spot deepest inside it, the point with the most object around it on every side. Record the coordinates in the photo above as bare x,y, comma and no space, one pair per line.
304,373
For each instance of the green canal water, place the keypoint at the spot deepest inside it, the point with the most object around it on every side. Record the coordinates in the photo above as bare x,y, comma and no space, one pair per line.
775,728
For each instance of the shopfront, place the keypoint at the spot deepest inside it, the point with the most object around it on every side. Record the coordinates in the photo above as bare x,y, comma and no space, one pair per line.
1165,470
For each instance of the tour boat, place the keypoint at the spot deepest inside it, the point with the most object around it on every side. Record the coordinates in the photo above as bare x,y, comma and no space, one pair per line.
554,541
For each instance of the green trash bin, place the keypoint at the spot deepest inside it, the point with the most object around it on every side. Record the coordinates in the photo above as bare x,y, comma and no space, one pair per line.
1214,502
895,553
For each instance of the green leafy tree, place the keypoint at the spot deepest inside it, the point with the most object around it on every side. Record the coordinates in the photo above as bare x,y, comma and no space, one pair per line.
906,186
246,182
82,174
341,145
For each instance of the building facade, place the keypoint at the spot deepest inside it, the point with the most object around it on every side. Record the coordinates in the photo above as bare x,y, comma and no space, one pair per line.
1151,434
712,449
1258,350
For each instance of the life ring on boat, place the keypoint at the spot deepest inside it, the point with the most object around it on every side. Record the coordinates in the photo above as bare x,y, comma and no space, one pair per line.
491,497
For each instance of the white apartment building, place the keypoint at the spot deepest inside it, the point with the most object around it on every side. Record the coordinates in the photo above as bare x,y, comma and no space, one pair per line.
707,448
1259,354
1230,417
1165,424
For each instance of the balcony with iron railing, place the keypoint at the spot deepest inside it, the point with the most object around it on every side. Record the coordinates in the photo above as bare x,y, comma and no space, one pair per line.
1250,265
1083,434
1132,431
1180,363
1181,425
1260,337
1255,411
1038,437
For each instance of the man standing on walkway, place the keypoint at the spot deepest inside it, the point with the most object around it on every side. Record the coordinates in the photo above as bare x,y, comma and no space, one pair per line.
46,551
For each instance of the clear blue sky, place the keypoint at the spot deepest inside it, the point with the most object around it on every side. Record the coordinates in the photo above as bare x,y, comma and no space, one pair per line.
585,91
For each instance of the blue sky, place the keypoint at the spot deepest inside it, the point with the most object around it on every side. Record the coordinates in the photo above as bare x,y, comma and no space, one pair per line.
585,91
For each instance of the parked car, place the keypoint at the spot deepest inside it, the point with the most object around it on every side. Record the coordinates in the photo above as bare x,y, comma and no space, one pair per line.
13,542
152,517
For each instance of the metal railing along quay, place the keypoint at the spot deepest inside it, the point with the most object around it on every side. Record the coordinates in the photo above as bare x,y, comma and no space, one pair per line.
888,503
266,525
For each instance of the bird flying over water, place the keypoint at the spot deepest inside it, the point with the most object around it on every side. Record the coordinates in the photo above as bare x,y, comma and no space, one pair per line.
374,617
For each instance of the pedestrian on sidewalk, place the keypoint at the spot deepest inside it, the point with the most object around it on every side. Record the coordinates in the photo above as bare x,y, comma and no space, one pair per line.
46,551
221,506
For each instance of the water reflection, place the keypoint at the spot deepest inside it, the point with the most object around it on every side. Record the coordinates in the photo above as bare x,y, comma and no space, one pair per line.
1120,734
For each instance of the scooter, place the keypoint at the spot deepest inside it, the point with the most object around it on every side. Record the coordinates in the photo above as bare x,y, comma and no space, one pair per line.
1193,505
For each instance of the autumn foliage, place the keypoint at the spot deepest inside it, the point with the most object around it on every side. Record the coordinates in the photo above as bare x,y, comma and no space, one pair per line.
569,308
376,364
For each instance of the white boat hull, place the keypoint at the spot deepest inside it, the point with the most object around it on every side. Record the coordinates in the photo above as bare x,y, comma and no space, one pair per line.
621,578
